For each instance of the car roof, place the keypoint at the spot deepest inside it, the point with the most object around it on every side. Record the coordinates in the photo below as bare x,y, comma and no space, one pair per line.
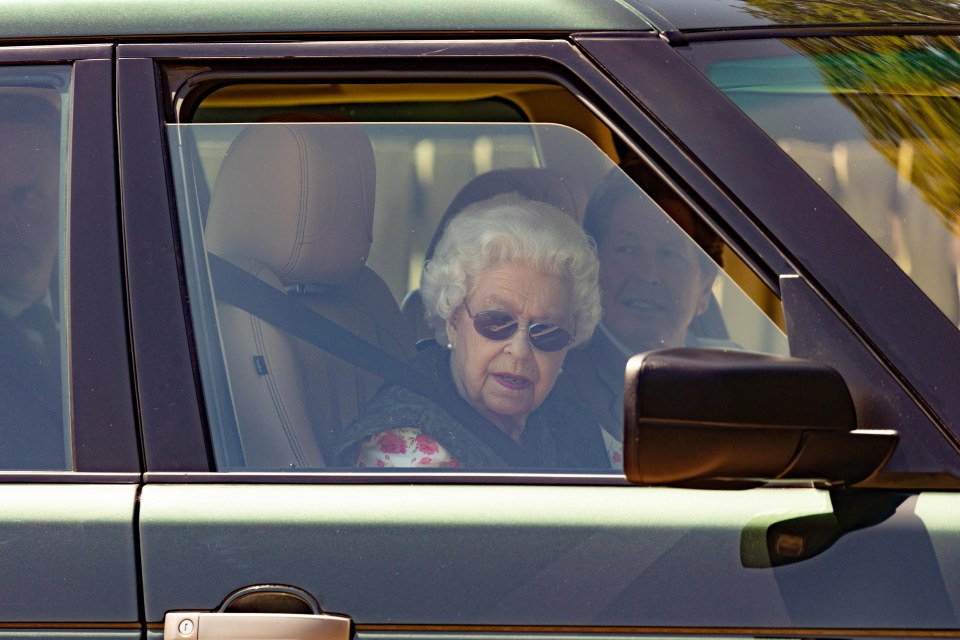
92,18
81,19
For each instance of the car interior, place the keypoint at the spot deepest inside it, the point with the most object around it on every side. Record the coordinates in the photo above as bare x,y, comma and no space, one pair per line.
333,192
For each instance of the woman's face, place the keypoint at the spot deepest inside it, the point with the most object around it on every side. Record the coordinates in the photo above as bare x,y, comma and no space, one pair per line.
506,380
651,279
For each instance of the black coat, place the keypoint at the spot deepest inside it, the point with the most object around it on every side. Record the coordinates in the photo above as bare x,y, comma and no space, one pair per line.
31,421
594,375
561,434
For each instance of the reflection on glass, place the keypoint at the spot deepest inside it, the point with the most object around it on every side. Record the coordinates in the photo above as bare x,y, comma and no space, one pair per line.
34,410
878,11
341,217
875,121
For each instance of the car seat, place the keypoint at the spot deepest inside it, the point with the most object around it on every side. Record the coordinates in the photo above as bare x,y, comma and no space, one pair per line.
293,205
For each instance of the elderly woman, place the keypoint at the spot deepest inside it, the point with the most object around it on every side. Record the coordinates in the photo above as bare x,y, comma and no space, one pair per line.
511,287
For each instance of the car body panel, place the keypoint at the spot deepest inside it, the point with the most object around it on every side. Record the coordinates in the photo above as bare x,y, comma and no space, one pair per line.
562,556
68,555
70,550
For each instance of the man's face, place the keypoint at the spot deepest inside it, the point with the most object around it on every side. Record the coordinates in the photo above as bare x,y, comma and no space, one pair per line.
29,208
651,278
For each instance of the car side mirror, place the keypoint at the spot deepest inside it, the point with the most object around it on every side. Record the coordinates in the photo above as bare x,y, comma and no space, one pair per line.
705,418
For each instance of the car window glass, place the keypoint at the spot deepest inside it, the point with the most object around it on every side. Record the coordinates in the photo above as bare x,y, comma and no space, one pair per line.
34,408
340,217
212,97
873,120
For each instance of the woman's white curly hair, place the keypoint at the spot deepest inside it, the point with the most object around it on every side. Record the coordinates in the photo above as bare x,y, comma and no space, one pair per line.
511,229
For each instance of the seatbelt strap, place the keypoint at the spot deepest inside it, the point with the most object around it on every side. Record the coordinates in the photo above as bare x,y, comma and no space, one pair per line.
245,291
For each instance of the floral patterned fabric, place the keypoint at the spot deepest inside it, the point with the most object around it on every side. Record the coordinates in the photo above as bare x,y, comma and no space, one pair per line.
404,447
410,447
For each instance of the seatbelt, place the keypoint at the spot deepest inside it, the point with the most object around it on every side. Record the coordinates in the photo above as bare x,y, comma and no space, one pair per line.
245,291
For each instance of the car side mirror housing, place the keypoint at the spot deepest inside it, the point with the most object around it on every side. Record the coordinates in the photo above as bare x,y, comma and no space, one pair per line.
706,418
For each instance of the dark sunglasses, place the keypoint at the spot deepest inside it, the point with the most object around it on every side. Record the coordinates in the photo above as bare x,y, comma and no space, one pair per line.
500,325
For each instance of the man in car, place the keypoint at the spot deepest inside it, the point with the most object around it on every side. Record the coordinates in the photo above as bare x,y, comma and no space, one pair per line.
31,421
655,289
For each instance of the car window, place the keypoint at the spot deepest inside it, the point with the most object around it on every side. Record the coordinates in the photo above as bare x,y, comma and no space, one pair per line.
873,120
332,215
34,404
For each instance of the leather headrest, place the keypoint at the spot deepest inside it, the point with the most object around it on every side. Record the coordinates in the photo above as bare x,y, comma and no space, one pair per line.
297,197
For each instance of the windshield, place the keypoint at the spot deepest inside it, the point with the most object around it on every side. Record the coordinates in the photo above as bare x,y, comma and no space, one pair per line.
479,276
875,121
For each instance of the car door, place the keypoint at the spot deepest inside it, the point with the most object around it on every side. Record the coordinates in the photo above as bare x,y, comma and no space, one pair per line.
70,469
447,554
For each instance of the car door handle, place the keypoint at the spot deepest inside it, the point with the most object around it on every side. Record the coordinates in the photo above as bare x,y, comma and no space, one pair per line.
204,625
261,612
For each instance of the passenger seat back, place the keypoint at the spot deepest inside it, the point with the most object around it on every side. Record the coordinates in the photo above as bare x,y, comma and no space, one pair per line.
293,205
